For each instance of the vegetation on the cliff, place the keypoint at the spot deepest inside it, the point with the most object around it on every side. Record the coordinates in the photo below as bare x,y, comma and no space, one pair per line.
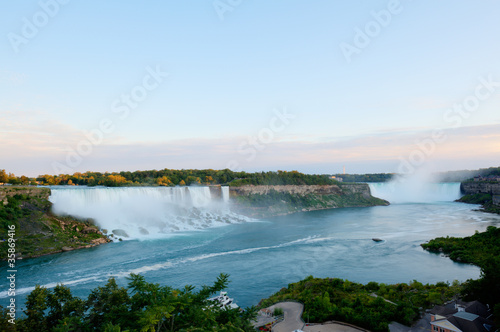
37,230
372,306
142,306
482,249
376,177
282,178
463,175
486,201
277,203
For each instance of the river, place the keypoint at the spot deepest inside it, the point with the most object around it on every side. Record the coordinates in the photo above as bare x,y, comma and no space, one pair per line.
174,240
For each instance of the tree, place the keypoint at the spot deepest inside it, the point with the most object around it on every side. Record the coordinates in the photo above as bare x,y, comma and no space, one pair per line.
36,304
4,178
142,306
163,181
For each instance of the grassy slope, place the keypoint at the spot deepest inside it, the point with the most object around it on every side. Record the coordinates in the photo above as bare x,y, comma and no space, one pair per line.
38,231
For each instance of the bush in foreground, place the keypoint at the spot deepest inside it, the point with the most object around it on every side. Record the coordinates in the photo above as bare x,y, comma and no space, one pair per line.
142,306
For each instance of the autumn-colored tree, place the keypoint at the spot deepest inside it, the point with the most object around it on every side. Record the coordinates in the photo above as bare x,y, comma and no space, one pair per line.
163,181
4,178
113,180
24,180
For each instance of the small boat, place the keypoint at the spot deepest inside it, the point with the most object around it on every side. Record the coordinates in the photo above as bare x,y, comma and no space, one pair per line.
376,239
223,301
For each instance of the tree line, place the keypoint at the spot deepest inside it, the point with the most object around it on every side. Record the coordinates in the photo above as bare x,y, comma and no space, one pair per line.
172,177
376,177
14,180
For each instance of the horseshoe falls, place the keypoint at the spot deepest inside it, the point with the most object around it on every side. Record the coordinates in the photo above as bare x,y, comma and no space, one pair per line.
409,191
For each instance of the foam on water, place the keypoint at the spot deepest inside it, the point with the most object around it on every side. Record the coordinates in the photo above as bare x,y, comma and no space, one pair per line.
169,264
146,212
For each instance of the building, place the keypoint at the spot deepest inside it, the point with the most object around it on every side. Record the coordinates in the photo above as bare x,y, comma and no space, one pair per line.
462,317
487,178
266,312
336,178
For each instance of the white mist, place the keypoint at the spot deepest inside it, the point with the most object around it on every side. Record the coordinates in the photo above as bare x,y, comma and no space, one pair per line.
141,213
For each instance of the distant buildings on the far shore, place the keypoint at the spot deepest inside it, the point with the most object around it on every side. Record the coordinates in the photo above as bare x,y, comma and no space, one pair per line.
487,178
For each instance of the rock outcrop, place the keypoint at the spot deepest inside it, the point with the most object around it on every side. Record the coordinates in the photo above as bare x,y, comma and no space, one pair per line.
269,200
480,187
11,191
355,188
37,231
486,193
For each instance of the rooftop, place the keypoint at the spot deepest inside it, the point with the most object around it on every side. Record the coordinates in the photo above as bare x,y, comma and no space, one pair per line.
466,315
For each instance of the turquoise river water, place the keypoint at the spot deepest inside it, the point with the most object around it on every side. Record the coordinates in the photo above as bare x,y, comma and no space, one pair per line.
178,238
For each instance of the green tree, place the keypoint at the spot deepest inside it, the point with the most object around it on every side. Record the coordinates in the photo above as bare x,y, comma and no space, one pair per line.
142,306
36,304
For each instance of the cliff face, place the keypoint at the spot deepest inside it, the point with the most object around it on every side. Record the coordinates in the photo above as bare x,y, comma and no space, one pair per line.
8,191
480,187
37,231
486,193
355,188
263,200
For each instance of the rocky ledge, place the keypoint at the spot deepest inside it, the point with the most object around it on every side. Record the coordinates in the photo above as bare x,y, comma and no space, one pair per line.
486,193
271,200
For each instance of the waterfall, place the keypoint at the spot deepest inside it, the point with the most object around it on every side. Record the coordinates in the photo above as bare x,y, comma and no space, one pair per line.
408,191
145,212
225,193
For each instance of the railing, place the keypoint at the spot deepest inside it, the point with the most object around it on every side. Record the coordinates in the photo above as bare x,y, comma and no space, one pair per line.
340,323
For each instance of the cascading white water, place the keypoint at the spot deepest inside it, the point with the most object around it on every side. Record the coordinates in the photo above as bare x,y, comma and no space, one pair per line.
410,191
225,193
143,212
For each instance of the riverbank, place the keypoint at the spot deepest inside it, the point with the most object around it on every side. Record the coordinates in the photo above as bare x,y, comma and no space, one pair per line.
38,232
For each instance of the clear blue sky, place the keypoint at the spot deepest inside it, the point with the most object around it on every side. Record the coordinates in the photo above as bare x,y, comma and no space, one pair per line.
232,66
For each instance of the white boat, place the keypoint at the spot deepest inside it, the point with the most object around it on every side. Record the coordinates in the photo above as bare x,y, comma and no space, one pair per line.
223,301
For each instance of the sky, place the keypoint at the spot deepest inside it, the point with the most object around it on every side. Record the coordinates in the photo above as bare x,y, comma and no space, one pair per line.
375,86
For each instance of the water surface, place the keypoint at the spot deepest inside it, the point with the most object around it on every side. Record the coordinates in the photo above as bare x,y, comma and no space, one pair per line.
265,255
